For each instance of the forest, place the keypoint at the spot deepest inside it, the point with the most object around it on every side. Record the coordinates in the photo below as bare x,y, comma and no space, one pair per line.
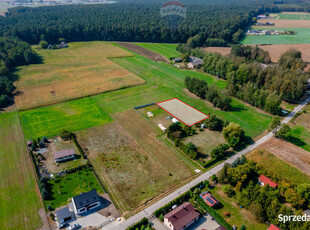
12,53
253,79
214,21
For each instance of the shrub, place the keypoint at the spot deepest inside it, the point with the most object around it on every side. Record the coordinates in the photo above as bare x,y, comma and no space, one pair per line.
45,194
43,44
228,190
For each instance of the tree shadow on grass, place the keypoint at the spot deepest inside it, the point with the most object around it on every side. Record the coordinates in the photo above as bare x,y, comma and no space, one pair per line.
237,108
295,141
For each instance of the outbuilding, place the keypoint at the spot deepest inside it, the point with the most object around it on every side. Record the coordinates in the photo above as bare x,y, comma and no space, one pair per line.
63,215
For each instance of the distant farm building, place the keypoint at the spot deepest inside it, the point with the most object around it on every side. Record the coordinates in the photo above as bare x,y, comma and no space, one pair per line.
273,227
265,24
263,180
209,199
181,217
64,155
86,202
261,16
177,60
163,128
194,62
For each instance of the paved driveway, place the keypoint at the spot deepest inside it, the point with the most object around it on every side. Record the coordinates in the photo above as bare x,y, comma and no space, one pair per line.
204,222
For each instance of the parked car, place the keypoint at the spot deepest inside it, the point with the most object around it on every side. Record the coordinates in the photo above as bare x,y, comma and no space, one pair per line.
62,226
74,226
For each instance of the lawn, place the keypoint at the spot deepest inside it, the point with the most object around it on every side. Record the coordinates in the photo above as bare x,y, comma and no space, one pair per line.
238,216
164,81
19,195
70,185
277,167
294,16
302,36
72,115
81,70
167,50
300,130
134,164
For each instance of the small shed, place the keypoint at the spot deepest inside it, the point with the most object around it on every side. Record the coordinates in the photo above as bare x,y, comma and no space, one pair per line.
177,60
163,128
174,120
63,215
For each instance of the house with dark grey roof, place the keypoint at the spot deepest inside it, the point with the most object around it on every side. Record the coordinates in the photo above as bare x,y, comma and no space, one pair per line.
86,202
63,215
181,217
177,60
64,155
194,62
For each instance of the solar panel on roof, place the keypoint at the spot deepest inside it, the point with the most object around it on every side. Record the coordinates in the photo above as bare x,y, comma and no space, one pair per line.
210,200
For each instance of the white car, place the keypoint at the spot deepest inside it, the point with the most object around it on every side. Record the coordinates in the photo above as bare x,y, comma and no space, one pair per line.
75,226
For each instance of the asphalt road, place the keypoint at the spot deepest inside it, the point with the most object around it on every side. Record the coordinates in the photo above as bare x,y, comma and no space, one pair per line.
150,210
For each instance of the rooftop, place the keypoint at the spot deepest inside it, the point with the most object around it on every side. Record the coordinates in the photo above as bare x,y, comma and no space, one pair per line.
63,213
266,180
64,153
86,198
182,215
273,227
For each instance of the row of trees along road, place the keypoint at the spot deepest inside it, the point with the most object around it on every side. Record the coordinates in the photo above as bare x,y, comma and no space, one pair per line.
251,78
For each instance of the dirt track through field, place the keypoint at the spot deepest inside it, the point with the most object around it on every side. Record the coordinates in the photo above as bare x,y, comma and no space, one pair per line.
289,153
144,52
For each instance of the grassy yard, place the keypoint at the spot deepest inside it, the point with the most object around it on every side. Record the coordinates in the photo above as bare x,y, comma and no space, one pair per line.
70,185
279,168
238,216
301,37
294,16
167,50
73,115
19,195
81,70
300,130
164,81
134,164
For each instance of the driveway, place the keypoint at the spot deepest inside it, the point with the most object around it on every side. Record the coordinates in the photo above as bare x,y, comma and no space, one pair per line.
204,223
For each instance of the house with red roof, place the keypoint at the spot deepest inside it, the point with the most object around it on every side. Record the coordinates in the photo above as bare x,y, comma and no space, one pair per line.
263,180
273,227
209,199
181,217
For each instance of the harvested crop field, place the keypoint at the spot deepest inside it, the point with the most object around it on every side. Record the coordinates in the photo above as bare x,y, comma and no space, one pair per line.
133,163
19,195
143,51
82,69
182,111
290,153
222,50
285,23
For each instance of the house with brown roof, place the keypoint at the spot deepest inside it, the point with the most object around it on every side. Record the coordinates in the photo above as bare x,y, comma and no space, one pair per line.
263,180
64,155
181,217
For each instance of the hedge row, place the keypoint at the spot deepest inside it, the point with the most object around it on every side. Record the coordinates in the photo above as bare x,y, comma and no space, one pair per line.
179,200
79,147
138,225
214,213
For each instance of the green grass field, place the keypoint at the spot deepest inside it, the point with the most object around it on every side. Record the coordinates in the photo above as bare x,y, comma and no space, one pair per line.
63,188
19,196
167,50
294,16
302,36
164,82
73,115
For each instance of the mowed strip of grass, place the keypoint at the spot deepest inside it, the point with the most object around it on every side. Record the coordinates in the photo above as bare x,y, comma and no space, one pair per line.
294,16
167,50
72,115
169,81
301,37
19,195
279,168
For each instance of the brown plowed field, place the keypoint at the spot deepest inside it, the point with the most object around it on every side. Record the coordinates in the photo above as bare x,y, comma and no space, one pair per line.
144,52
285,23
289,153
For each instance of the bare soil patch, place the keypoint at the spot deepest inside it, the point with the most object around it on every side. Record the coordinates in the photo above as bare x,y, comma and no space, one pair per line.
285,23
289,153
144,52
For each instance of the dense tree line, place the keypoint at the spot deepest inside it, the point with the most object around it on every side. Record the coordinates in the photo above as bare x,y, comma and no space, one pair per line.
263,86
266,203
211,22
13,52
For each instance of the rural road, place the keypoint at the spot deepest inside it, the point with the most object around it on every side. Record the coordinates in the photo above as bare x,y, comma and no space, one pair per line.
148,212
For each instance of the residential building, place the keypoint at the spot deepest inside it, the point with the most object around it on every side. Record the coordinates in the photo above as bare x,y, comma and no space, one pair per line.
209,199
86,202
64,155
194,62
263,180
181,217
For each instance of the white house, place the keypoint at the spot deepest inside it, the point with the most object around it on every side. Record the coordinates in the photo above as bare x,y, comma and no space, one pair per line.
86,202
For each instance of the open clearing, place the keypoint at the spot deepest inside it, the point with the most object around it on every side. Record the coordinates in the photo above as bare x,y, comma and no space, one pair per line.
301,37
82,69
285,23
182,111
294,16
283,159
143,51
19,195
134,164
72,115
167,50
